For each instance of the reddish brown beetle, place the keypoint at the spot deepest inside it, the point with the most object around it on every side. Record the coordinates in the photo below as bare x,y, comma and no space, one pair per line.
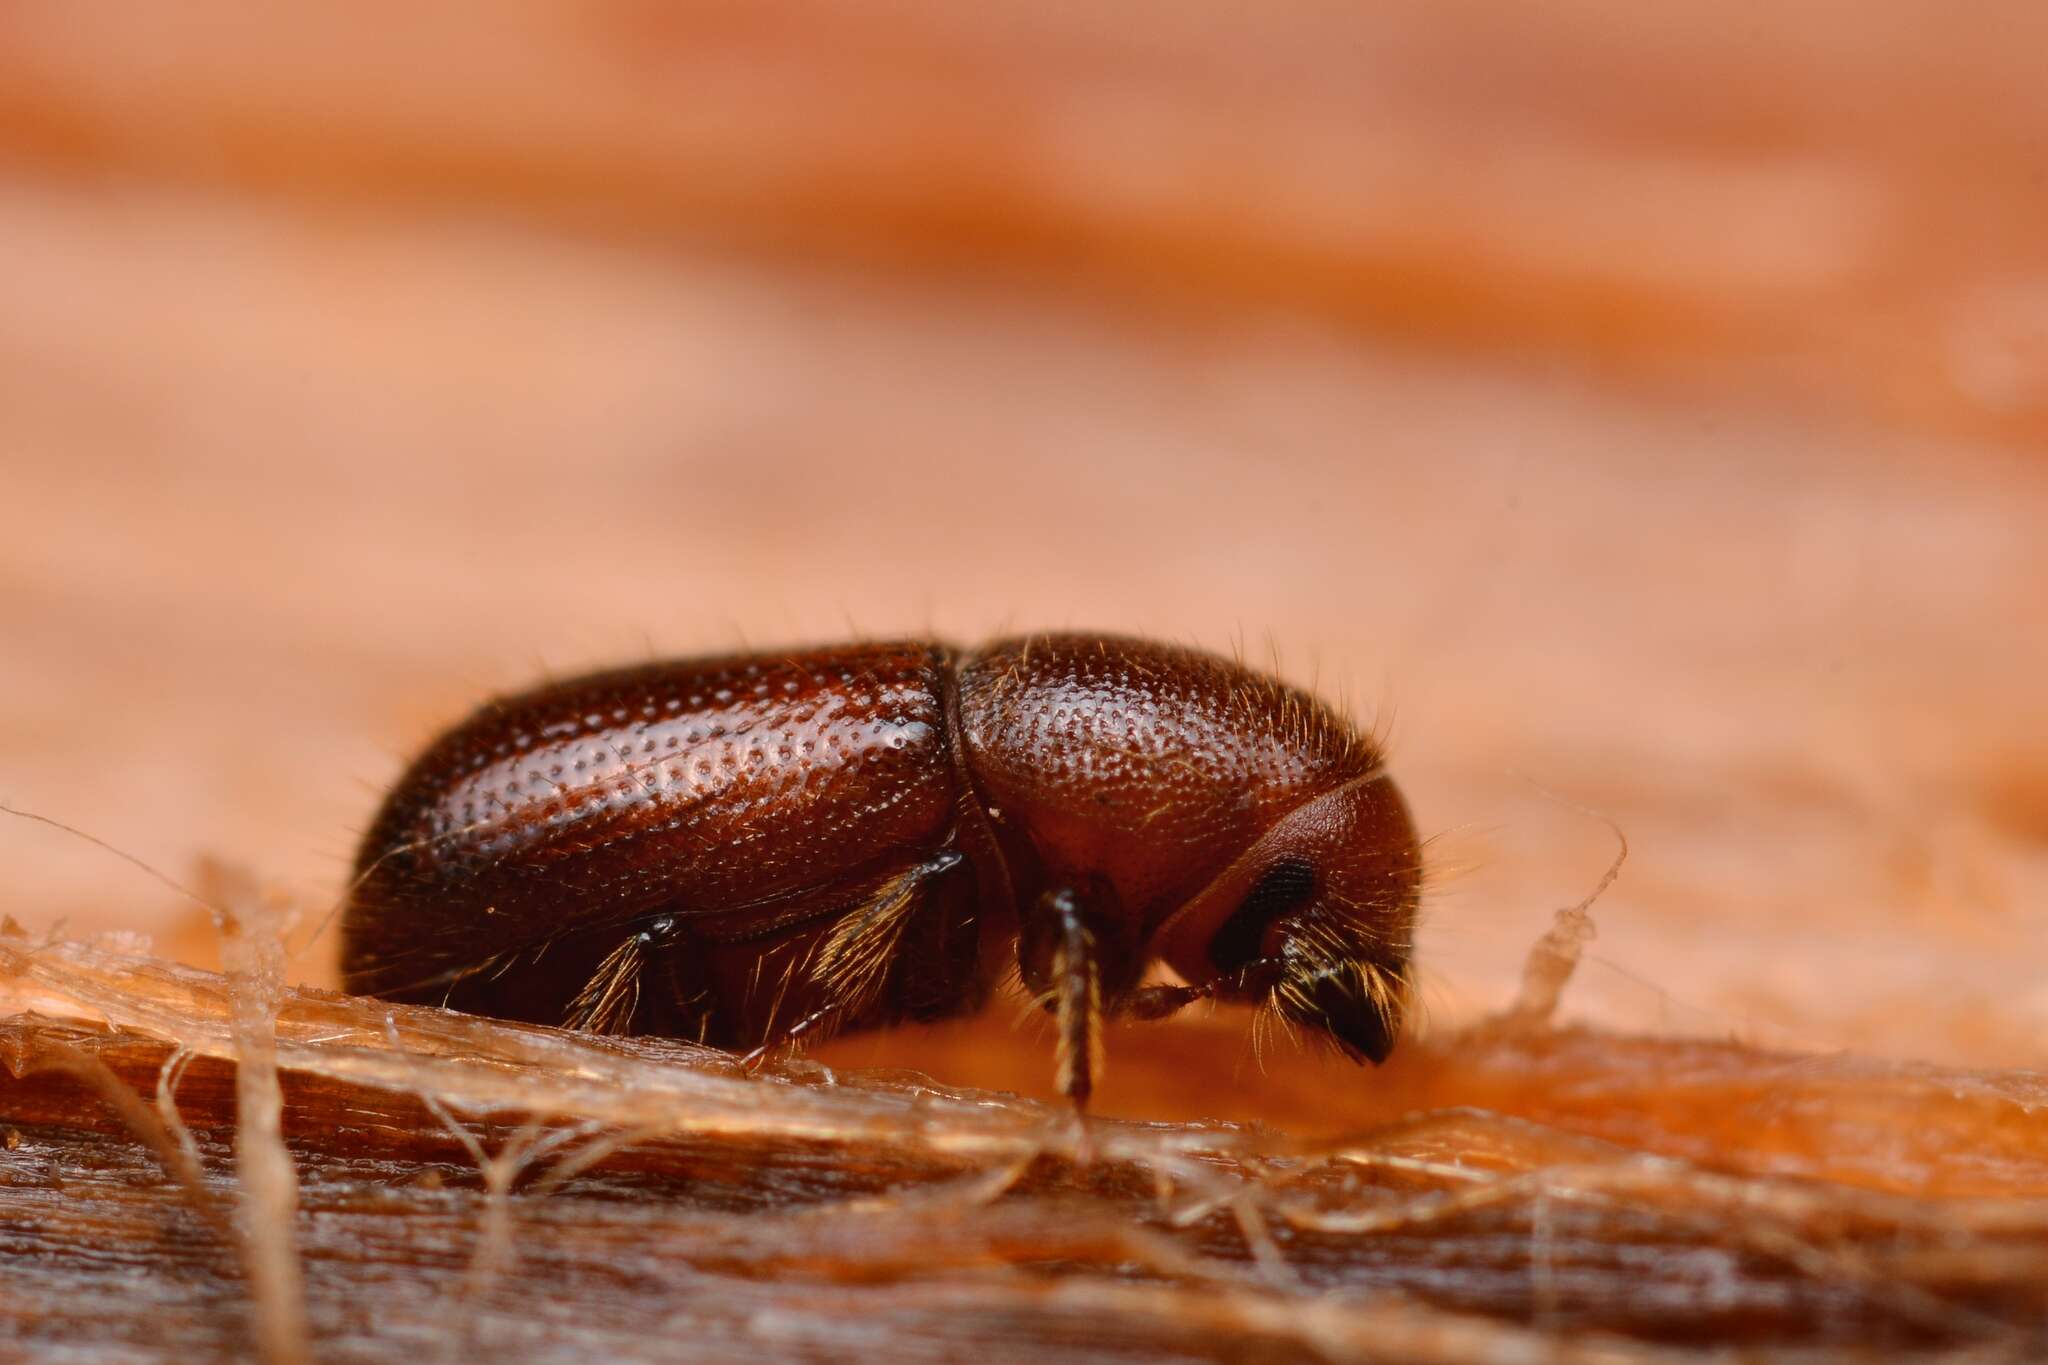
762,848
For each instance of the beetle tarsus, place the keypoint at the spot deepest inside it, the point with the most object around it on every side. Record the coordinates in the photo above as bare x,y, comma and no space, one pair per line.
788,1040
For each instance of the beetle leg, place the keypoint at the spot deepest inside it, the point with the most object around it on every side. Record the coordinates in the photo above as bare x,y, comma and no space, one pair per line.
1254,981
1159,1002
611,997
1252,984
794,1034
861,948
676,994
1077,996
607,1001
857,955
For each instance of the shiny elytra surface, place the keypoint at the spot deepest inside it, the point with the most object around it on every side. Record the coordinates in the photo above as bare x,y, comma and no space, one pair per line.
705,787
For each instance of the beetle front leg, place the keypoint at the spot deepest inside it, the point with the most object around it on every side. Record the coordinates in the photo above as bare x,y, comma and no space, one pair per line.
1162,1002
1254,982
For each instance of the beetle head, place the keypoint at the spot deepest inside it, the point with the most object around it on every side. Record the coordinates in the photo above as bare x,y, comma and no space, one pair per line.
1314,920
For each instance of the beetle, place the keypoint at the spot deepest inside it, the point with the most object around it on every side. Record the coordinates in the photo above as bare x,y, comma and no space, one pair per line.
761,849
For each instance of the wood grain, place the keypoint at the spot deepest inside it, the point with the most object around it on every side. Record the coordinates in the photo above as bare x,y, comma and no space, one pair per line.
493,1187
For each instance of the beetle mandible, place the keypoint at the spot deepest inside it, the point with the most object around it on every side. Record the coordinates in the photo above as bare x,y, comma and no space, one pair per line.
760,849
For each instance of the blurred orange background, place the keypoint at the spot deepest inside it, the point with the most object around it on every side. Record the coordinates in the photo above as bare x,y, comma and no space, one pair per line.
1643,405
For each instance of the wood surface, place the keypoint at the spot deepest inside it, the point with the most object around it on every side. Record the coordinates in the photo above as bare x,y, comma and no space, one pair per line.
472,1187
1638,414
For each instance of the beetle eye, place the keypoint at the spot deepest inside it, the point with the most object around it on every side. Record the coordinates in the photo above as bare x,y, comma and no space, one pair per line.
1280,888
